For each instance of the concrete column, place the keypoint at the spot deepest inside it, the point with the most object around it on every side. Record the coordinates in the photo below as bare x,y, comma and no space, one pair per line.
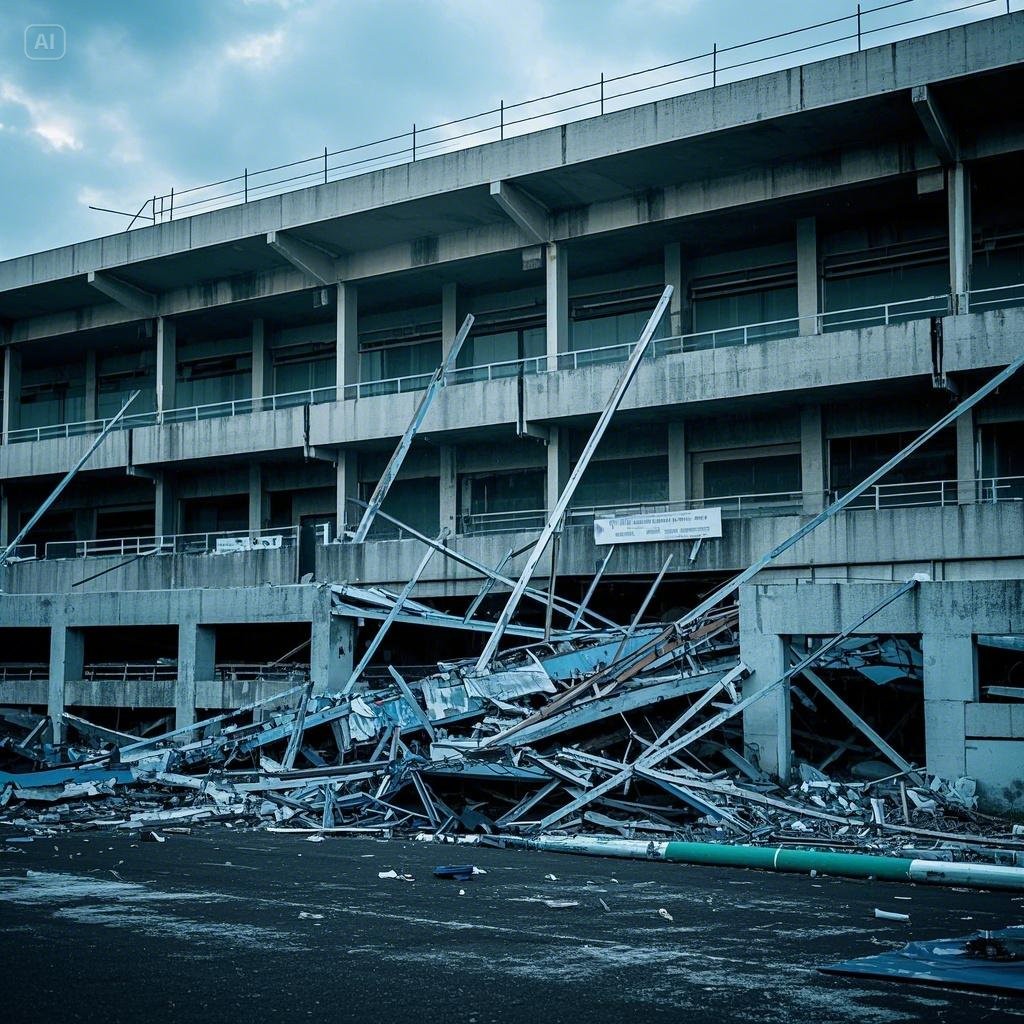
259,500
5,517
449,315
197,647
807,290
67,663
559,467
165,506
348,487
678,463
262,366
966,459
12,390
347,337
448,490
166,363
813,459
958,191
766,725
556,268
950,683
331,647
674,277
90,410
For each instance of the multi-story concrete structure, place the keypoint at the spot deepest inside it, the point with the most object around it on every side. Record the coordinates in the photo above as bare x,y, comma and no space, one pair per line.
846,244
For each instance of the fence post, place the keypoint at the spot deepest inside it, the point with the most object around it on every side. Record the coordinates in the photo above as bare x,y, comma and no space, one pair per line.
501,120
714,64
414,141
246,176
171,217
878,495
858,28
325,165
602,92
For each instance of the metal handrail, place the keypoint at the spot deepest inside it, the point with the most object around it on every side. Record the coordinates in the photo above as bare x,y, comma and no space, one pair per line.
741,334
495,123
168,544
977,296
130,671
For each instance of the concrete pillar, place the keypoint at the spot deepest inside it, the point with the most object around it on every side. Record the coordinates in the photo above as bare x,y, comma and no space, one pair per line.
556,268
958,191
331,647
5,517
197,646
813,459
12,390
90,410
448,489
449,315
950,683
678,463
966,459
766,725
807,290
259,500
674,277
262,366
165,519
347,337
67,663
166,363
347,487
559,467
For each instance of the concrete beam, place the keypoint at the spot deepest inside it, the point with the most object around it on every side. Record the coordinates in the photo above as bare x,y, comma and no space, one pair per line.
135,300
936,125
12,391
318,264
533,217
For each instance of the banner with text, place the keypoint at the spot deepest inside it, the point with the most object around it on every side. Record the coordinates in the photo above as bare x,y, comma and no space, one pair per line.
690,524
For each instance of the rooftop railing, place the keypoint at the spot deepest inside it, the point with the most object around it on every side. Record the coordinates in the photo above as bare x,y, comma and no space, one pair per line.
604,93
879,314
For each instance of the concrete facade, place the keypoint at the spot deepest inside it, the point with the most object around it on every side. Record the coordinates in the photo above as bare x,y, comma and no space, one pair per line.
844,241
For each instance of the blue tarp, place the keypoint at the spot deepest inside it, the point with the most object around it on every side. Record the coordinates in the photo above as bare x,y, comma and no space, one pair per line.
943,962
61,776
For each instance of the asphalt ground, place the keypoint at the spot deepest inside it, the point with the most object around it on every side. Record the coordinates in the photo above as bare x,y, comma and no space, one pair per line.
226,925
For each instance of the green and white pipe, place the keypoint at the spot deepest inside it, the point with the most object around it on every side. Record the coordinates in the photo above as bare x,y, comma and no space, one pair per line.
770,858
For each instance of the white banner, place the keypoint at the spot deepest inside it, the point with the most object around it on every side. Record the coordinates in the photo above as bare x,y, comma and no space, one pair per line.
690,524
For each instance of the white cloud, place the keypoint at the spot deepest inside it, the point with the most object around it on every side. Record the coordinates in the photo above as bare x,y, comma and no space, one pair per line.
56,130
259,49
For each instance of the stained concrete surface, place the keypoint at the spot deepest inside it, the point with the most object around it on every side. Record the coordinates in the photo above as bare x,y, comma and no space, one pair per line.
228,925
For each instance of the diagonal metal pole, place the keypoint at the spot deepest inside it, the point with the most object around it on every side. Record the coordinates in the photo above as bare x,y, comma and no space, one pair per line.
614,401
395,463
590,590
68,477
393,613
643,607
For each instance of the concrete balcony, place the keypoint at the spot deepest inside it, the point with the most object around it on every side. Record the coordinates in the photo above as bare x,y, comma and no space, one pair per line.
677,382
955,541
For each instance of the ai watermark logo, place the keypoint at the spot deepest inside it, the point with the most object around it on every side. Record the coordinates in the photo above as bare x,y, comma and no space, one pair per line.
45,42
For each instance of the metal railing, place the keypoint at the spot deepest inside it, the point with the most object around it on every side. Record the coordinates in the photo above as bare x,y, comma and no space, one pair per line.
879,314
220,542
983,490
271,671
24,672
1002,297
606,93
130,671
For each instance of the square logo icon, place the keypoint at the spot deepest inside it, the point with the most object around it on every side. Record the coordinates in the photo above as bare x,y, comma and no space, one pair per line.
45,42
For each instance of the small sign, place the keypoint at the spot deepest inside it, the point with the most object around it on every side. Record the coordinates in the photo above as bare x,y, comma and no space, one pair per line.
691,524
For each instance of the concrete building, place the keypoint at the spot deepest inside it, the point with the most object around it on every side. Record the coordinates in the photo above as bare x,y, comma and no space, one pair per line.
846,244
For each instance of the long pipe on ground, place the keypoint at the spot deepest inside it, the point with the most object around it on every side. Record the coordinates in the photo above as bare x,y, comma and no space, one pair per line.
774,858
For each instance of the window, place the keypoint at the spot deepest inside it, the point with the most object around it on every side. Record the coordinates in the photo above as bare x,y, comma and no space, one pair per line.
613,482
759,296
766,474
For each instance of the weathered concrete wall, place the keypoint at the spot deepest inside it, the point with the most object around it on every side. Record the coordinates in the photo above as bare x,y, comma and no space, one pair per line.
152,572
891,543
962,734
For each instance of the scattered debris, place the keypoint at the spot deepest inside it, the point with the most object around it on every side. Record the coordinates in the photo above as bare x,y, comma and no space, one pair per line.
889,915
663,913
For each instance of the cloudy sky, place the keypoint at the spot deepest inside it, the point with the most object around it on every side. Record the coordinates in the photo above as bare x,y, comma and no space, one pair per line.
154,95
